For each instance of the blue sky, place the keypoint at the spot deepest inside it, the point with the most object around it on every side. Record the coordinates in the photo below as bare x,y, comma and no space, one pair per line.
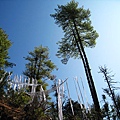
28,24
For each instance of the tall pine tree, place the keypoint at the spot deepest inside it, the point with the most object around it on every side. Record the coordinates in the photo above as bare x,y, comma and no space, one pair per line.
78,34
39,67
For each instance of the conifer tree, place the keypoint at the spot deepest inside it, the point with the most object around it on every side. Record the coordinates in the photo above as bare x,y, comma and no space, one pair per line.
78,34
5,44
39,67
111,89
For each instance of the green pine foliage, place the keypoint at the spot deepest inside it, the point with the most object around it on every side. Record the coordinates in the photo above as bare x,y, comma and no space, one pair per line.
78,34
39,65
68,15
5,44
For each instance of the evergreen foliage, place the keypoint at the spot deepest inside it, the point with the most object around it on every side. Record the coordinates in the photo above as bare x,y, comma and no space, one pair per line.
39,65
78,34
67,16
5,44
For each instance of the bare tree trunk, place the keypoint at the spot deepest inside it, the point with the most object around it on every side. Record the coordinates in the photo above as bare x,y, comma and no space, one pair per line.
88,73
107,79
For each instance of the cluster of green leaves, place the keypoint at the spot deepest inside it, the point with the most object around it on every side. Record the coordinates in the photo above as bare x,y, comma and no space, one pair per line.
9,99
39,65
36,110
5,44
65,17
40,68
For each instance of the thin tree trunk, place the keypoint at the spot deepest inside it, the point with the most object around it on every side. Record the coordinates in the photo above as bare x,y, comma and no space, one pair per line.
113,95
88,73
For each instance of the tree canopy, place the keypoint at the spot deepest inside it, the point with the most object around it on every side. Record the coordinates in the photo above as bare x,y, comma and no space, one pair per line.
67,16
39,65
78,34
5,44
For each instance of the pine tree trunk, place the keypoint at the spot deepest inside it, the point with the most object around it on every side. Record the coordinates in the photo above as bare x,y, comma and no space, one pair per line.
88,73
113,95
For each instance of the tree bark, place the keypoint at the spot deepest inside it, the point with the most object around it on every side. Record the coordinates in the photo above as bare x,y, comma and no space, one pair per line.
88,73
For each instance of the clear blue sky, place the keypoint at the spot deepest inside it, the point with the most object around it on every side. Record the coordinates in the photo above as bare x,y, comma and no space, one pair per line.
28,24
